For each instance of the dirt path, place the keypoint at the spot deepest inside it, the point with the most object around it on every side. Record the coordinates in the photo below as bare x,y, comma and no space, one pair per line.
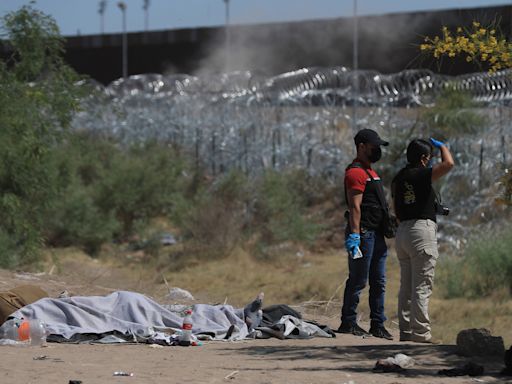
345,359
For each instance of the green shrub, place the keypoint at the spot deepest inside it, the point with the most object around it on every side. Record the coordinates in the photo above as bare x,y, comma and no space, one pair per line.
111,192
452,279
485,268
505,182
280,209
37,101
140,183
76,220
222,214
453,114
213,216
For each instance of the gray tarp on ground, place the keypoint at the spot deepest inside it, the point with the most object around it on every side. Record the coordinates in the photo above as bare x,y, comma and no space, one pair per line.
131,313
128,313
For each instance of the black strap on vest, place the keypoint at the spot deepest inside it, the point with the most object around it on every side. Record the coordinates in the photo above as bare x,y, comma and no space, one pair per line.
380,189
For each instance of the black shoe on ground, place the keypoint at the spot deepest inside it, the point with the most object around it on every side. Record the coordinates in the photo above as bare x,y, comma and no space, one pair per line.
353,329
381,332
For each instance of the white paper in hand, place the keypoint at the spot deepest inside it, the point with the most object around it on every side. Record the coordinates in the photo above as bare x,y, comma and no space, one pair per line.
358,254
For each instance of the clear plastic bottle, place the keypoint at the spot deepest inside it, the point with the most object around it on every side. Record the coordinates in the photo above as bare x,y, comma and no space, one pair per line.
32,332
186,329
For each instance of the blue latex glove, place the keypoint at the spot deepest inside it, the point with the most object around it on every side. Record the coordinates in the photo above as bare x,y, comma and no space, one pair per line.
352,243
436,143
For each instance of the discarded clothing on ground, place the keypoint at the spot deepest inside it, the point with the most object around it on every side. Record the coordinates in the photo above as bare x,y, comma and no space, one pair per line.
17,298
132,316
284,322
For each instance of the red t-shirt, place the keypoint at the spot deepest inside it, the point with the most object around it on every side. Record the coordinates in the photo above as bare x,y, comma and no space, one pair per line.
356,178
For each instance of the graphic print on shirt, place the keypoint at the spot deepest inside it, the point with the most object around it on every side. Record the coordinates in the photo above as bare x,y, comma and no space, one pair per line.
409,195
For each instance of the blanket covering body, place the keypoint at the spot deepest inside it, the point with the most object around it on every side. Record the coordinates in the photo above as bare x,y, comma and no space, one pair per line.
136,317
129,313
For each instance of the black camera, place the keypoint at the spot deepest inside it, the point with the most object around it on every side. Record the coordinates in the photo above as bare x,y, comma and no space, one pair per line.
442,210
439,207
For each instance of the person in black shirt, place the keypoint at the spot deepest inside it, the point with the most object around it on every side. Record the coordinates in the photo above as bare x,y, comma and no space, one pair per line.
416,239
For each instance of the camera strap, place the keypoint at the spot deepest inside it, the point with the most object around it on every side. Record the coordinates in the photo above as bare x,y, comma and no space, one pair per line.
438,199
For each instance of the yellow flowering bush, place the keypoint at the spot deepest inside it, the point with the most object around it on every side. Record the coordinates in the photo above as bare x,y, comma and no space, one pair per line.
477,44
482,46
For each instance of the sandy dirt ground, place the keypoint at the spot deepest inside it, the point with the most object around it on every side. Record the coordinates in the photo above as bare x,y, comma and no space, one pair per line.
344,359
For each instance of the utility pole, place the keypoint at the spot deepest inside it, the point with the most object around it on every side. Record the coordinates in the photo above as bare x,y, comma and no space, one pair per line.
101,10
355,65
145,7
122,7
228,38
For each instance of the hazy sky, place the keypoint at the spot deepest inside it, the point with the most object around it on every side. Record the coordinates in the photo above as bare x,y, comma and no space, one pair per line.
81,16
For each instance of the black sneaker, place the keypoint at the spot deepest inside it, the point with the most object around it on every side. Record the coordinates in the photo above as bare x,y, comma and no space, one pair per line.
353,329
381,332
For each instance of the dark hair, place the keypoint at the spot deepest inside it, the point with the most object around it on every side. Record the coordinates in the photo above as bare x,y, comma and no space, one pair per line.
416,149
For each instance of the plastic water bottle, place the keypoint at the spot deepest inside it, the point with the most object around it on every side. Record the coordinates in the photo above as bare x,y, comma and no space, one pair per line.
32,332
186,329
253,313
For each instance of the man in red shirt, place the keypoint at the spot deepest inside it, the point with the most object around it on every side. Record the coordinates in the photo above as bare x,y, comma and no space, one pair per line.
364,239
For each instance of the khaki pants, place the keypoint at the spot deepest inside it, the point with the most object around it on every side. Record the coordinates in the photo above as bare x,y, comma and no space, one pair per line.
416,247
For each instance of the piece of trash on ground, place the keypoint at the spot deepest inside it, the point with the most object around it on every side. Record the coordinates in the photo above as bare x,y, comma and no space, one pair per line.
403,360
121,373
45,357
231,375
397,363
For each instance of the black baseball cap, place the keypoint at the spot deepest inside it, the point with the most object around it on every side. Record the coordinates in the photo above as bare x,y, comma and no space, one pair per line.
369,136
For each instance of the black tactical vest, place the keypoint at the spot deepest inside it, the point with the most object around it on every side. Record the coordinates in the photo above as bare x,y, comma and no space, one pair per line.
372,213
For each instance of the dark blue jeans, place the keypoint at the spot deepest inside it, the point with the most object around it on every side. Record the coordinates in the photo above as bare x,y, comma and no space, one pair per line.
371,267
